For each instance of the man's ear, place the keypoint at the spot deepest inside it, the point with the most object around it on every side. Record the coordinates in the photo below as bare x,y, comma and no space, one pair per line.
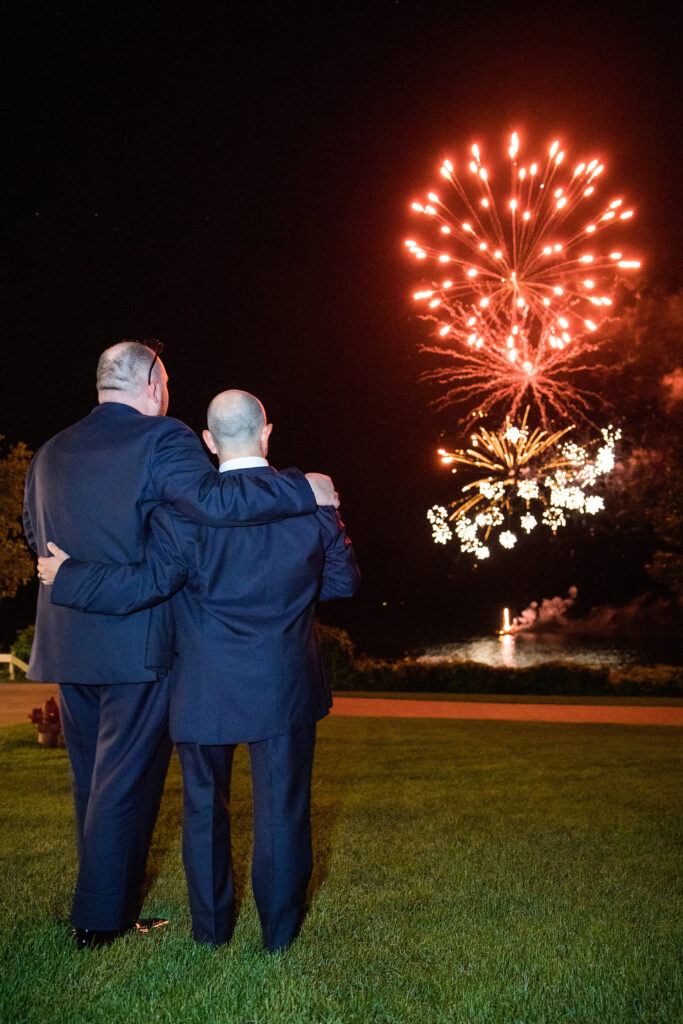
265,436
209,442
151,398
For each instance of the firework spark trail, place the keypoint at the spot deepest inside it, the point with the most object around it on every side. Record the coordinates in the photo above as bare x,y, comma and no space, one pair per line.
531,477
521,295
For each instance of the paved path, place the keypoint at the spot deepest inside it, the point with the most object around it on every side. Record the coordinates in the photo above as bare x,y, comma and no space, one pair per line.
18,699
613,714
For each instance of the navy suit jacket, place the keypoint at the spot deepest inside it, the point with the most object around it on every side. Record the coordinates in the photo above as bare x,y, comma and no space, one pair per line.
248,665
91,489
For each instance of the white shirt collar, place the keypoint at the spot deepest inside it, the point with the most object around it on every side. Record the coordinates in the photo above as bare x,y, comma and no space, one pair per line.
243,462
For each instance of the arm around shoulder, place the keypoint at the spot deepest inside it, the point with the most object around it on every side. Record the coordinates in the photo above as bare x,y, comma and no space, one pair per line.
185,478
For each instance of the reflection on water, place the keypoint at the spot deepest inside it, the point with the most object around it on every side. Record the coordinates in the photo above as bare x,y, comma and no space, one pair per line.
518,650
506,647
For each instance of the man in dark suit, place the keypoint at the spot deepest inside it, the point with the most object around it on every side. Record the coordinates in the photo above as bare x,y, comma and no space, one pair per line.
93,486
248,669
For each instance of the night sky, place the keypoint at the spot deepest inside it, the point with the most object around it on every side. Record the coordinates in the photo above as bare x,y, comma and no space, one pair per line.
235,179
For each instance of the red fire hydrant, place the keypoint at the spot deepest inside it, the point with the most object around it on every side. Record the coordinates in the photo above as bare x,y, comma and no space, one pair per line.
49,723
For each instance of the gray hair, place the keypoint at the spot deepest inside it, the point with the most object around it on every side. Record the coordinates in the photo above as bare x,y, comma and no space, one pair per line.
235,418
125,367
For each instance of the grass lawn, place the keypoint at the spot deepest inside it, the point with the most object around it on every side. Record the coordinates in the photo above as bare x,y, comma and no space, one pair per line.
466,871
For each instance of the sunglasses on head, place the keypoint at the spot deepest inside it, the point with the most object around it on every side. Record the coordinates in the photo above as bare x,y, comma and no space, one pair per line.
157,347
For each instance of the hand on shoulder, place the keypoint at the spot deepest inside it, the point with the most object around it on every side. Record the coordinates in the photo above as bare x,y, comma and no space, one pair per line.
323,489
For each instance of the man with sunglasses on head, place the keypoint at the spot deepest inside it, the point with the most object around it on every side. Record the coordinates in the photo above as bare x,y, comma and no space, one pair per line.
93,486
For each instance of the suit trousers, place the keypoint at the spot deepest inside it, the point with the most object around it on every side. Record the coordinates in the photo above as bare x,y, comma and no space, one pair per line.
282,858
119,747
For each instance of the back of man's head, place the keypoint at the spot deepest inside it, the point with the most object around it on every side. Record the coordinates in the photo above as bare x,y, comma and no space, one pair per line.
124,367
236,422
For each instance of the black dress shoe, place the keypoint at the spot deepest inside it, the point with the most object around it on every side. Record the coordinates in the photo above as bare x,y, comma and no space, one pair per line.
88,938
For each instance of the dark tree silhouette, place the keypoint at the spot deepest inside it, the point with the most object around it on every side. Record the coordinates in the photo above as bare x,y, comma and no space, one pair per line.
16,560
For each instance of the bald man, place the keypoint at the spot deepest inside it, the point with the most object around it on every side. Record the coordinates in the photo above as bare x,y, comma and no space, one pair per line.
93,487
248,670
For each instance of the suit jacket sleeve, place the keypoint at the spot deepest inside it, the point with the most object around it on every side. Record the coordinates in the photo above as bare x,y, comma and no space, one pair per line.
28,525
185,479
341,575
114,589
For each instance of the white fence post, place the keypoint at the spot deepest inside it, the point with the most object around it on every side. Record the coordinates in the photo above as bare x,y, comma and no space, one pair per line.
13,662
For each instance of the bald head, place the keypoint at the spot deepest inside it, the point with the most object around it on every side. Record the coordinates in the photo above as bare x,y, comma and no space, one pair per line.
237,425
123,375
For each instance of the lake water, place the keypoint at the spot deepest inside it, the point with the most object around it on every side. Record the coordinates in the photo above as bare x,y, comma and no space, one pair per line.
519,650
